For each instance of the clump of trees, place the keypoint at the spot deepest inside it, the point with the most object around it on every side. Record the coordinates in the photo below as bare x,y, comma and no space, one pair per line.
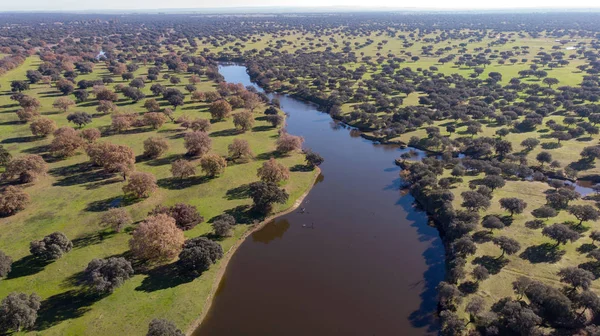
106,275
19,311
113,158
51,247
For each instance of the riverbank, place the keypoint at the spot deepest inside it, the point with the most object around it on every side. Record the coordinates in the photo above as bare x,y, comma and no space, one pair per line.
231,251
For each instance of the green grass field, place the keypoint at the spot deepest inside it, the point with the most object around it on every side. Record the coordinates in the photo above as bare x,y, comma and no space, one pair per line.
70,199
532,260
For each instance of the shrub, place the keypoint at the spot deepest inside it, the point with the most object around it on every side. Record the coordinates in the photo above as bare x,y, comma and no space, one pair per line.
116,219
160,327
5,264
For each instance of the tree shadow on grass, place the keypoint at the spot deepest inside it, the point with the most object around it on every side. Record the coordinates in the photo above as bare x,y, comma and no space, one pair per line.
592,266
98,184
586,248
92,238
482,236
582,165
163,277
268,155
301,168
65,306
11,123
37,150
492,264
164,160
226,132
86,177
30,138
543,253
175,183
240,192
113,202
28,265
468,287
243,214
261,128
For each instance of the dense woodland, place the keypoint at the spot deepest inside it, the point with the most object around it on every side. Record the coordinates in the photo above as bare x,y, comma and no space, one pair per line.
505,104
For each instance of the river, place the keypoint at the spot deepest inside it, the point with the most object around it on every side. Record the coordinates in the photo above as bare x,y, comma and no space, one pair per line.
361,260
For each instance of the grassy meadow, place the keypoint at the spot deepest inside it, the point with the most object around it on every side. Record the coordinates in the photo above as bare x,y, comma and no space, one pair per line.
73,195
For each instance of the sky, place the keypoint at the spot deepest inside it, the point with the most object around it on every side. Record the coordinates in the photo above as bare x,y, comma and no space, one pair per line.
72,5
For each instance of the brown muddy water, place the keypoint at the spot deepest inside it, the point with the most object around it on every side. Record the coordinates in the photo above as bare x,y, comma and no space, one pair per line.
356,258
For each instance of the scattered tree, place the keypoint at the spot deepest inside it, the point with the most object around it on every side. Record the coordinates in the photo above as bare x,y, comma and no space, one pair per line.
140,184
273,171
157,239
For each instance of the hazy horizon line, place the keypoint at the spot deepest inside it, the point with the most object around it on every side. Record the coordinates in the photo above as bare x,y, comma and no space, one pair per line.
299,9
